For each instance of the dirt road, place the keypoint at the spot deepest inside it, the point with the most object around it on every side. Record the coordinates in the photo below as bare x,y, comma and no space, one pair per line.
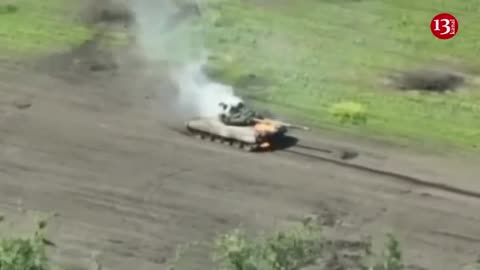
127,185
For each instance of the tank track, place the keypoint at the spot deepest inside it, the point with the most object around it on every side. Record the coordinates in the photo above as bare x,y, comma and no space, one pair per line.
249,147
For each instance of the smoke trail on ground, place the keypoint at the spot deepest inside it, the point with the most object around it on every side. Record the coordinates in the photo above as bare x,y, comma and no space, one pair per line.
164,34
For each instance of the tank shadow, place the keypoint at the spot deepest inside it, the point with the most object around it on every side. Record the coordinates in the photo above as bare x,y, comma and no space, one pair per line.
343,154
283,142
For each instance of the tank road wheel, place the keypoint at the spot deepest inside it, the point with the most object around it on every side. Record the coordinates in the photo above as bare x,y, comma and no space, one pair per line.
237,144
225,141
244,146
250,147
194,133
199,135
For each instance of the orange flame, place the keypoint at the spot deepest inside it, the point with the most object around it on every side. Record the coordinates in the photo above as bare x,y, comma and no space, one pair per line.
266,126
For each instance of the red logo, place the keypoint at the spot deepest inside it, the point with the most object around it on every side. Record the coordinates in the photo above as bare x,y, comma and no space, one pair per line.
444,26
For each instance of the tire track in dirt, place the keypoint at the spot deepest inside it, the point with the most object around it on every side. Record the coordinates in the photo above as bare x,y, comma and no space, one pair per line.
313,155
133,189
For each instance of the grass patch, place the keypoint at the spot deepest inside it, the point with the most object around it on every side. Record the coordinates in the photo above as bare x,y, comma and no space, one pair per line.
8,9
318,53
294,249
349,112
25,252
302,246
33,27
298,247
474,266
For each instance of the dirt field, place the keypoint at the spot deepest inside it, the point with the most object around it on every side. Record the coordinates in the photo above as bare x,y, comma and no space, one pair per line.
102,149
124,183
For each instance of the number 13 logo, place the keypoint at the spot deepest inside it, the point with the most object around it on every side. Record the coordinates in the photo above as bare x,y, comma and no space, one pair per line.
444,26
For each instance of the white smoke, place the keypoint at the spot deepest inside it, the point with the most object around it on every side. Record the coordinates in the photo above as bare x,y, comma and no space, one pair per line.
164,36
199,93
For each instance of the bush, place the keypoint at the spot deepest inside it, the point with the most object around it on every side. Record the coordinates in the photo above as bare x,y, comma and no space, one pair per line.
300,247
290,250
293,249
8,9
392,255
25,253
349,112
475,266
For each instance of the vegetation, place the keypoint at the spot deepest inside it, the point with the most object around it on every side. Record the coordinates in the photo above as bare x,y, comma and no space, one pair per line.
8,9
349,112
308,56
475,266
392,255
30,27
25,253
298,247
295,248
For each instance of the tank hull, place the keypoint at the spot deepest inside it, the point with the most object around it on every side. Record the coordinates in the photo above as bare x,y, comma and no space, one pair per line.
216,127
245,137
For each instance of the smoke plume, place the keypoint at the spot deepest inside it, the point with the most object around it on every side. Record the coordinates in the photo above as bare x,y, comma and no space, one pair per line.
164,34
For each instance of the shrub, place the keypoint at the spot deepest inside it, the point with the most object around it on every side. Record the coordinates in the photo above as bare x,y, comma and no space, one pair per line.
25,253
290,250
300,247
349,112
475,266
392,255
8,9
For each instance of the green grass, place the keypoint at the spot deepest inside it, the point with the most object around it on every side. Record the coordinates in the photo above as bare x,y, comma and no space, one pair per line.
351,112
302,246
30,27
311,54
25,252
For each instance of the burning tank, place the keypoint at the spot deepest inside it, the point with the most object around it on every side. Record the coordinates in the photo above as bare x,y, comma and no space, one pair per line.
257,137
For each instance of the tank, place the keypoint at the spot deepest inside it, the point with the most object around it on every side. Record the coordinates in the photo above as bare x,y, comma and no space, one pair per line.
257,137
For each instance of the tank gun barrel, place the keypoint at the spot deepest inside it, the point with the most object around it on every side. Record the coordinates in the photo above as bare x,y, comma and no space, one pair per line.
295,126
288,125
